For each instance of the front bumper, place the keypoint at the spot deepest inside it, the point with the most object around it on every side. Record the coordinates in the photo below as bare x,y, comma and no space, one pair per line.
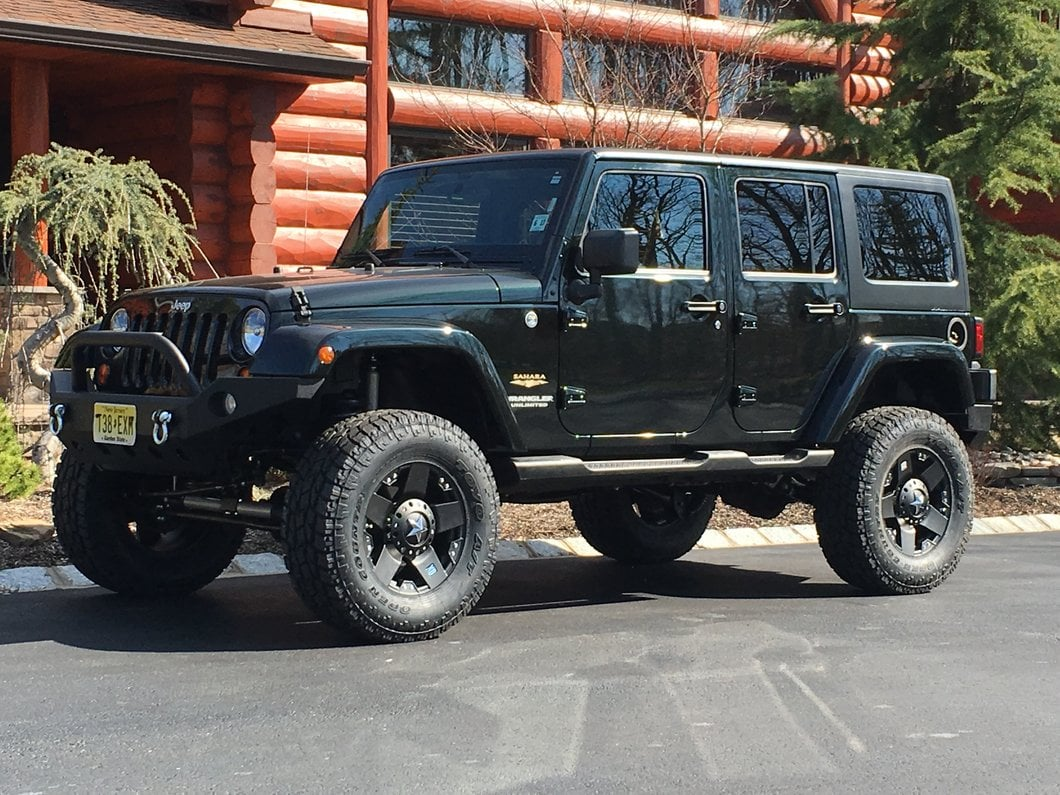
202,437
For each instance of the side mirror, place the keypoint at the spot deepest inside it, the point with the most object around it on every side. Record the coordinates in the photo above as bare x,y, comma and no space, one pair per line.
611,252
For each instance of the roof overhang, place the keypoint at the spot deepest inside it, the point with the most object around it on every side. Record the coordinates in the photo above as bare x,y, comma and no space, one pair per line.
333,67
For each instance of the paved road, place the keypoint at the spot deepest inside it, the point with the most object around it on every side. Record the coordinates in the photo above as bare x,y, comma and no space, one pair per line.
737,670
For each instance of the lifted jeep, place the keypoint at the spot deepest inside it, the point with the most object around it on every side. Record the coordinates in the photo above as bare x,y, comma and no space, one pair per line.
635,332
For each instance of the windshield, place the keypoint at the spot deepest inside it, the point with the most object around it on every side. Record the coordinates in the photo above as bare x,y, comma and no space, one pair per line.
466,213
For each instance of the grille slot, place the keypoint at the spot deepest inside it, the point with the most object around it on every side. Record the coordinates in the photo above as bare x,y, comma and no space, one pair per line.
201,337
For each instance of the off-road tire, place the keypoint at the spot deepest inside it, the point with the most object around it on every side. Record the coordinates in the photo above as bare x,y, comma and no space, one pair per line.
610,522
331,539
858,542
95,525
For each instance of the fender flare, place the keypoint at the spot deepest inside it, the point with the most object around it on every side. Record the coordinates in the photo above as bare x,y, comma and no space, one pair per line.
292,351
856,372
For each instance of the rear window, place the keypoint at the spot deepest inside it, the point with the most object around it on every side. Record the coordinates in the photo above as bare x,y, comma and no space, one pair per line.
905,235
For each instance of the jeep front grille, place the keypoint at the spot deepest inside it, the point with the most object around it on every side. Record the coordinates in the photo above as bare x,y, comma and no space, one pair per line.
201,337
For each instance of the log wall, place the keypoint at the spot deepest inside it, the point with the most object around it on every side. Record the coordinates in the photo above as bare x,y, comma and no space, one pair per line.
324,150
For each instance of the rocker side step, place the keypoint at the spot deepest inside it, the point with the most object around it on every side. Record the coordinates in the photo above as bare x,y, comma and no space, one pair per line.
561,473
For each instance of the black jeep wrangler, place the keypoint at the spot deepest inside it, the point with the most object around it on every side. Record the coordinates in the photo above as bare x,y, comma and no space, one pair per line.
638,333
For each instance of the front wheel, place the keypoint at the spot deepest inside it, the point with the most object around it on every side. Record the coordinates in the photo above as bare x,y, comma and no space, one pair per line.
643,525
120,541
391,525
894,509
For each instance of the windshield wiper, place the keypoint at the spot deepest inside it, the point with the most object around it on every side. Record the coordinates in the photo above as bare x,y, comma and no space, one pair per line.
461,257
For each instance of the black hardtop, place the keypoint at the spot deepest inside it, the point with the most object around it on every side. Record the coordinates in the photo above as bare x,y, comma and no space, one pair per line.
932,181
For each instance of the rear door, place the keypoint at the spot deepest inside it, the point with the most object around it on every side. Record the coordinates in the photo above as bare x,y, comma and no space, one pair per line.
790,290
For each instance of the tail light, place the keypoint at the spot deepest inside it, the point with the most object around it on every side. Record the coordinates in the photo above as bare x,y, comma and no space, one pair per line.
980,337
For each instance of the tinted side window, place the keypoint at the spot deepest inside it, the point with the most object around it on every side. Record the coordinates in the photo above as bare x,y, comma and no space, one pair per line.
905,235
785,227
667,211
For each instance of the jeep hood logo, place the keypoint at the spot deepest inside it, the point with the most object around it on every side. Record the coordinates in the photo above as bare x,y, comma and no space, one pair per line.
181,306
528,380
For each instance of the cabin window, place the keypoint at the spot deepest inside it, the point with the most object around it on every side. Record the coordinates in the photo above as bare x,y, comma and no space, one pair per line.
767,10
411,145
608,72
458,55
751,88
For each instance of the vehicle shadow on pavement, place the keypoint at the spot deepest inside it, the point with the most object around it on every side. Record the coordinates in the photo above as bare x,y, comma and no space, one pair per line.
264,613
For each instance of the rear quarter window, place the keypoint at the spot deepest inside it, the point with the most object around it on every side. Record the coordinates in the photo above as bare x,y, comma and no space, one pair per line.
905,235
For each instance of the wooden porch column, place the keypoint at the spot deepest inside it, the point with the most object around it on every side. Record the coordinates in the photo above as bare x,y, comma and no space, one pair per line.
377,156
844,14
29,135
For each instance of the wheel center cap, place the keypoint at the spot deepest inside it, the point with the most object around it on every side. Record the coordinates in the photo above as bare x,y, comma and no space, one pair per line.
915,498
412,527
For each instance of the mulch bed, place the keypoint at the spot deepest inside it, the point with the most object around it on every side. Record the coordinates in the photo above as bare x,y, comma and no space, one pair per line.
546,520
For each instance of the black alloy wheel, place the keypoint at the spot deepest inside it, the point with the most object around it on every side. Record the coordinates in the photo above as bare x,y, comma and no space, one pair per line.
416,527
917,501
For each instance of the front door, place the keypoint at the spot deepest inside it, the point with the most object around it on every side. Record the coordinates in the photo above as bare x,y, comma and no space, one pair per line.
649,355
790,292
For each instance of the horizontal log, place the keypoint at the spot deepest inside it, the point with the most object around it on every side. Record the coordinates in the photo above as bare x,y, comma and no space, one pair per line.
420,106
332,22
316,209
317,134
209,93
207,126
868,89
872,61
299,246
252,146
209,165
320,172
251,258
345,100
622,21
215,251
209,203
252,184
256,105
255,223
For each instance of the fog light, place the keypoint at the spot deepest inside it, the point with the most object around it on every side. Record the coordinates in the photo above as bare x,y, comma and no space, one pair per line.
230,403
326,354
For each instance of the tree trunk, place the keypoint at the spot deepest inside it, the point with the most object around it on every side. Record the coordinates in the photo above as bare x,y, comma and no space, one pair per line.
67,321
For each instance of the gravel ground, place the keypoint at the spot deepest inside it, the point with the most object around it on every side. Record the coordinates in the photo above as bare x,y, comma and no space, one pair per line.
546,520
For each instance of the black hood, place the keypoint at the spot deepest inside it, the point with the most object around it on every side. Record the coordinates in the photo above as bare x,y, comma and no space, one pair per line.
338,289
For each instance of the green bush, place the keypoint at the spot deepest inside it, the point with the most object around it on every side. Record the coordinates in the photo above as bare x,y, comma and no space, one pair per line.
18,477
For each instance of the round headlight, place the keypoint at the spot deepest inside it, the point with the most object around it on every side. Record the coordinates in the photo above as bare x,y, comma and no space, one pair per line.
119,321
252,333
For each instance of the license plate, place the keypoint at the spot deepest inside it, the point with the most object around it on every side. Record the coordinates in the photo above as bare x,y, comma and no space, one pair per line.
114,423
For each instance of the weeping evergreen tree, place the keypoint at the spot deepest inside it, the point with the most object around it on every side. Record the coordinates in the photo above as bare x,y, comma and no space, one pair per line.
976,97
104,219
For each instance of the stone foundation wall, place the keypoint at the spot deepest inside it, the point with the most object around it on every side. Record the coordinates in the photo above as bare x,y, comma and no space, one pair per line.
22,310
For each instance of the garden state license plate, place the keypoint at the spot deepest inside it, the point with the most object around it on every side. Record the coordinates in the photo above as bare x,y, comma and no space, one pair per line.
114,423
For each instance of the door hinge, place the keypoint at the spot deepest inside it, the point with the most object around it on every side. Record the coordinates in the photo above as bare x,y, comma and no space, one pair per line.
575,318
744,395
571,396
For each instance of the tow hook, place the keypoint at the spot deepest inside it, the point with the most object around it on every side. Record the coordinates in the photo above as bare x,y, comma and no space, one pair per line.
55,422
161,419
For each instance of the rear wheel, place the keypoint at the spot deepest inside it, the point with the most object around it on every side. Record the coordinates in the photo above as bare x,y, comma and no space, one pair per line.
894,510
391,525
115,539
643,525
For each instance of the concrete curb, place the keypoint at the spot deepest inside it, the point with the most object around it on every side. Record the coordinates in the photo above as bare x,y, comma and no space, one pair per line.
30,579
